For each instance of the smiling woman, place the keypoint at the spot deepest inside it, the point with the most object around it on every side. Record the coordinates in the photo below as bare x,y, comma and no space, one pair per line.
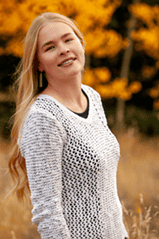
61,140
61,57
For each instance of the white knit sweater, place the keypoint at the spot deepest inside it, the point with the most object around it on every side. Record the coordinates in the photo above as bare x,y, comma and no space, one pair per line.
71,166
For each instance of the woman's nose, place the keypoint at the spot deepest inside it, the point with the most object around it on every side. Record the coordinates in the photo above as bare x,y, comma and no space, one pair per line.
63,50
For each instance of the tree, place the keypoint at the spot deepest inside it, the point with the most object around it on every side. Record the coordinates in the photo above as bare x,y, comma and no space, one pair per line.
95,19
92,16
125,67
146,39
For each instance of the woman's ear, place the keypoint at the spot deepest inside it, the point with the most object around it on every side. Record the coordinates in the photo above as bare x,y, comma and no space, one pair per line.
37,64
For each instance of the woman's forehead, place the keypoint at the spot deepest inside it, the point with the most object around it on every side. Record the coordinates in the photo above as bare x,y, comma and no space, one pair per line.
54,31
55,28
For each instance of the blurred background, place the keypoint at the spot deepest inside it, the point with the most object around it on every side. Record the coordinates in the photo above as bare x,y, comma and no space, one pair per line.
122,64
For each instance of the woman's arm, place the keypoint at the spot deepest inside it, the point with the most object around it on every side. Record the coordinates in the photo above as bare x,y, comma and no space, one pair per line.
41,145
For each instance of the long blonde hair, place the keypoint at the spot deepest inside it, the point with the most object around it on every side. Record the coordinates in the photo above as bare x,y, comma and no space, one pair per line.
28,90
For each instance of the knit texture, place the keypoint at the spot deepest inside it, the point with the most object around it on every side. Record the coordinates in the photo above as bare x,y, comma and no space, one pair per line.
71,166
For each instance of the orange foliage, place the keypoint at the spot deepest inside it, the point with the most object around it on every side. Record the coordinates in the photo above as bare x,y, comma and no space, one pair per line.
92,77
126,43
148,71
154,93
89,78
156,104
99,79
103,74
147,38
101,43
90,15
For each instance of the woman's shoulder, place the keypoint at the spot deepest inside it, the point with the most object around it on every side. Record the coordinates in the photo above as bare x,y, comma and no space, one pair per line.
92,94
89,90
42,110
46,105
38,119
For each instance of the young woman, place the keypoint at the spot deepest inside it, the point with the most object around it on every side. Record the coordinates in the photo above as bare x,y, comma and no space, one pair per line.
60,138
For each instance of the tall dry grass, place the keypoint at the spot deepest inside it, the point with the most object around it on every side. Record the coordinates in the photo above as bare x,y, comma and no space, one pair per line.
138,189
138,184
15,218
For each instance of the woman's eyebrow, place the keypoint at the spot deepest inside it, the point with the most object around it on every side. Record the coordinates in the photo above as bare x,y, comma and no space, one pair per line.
50,42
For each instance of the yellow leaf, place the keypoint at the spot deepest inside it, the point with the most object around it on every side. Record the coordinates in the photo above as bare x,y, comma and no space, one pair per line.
103,74
135,87
156,104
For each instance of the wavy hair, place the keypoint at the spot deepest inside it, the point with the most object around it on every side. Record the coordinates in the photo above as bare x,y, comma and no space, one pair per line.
28,90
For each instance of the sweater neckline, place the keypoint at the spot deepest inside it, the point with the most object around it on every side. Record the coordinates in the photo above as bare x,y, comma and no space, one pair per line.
65,109
84,114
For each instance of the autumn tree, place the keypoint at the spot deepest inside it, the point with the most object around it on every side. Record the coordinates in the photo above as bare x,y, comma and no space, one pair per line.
93,17
146,38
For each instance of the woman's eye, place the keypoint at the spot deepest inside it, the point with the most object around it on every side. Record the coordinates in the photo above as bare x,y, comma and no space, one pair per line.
69,40
50,48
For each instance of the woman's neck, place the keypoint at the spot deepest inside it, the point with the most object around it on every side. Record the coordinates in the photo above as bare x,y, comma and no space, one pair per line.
69,94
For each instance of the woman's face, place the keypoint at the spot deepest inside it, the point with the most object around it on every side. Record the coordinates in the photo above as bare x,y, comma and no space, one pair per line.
60,52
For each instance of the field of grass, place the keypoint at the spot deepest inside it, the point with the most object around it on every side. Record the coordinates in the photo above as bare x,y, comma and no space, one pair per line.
138,184
138,189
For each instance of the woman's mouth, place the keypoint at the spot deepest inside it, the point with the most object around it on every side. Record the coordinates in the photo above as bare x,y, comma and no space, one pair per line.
66,61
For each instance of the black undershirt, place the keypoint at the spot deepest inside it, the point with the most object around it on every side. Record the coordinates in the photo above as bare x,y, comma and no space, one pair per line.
85,113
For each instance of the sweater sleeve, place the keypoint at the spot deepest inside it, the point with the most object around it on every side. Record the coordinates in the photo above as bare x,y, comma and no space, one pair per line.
41,145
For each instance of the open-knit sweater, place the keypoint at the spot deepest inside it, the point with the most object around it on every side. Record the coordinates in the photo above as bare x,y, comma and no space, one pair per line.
71,166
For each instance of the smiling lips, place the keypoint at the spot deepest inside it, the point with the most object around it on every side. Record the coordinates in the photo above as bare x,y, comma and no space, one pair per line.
69,60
